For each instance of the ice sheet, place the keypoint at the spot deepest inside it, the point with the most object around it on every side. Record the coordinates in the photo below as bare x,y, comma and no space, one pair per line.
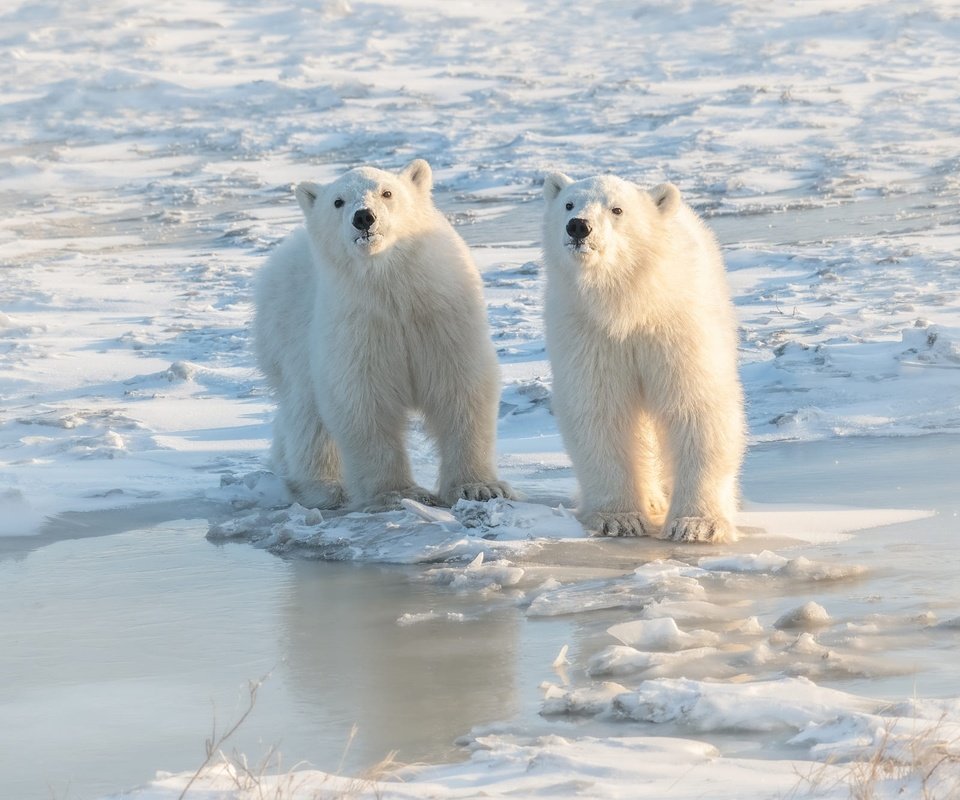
148,154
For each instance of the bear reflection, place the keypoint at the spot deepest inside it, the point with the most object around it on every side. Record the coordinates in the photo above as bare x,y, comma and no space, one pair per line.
410,688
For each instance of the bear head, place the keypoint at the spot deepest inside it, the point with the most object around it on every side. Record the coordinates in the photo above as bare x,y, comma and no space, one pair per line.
596,228
367,213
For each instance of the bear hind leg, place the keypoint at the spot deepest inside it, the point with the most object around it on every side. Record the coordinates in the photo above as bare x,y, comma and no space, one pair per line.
376,468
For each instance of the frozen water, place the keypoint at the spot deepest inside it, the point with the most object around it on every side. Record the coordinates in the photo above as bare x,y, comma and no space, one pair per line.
415,534
148,153
148,167
809,615
660,634
354,642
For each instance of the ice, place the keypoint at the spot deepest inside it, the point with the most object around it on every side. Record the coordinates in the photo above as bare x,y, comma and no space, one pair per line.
512,520
554,766
809,615
660,634
148,156
762,562
16,513
782,704
620,660
561,659
930,345
393,537
858,736
691,610
428,513
429,616
805,569
801,567
414,534
821,525
478,574
143,191
646,585
255,489
586,701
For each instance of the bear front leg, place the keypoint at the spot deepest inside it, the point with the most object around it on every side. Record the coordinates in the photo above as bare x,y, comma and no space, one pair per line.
376,469
706,447
464,425
614,471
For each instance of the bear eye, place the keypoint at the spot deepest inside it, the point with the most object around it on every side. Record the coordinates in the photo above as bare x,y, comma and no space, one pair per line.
338,203
617,210
387,194
569,206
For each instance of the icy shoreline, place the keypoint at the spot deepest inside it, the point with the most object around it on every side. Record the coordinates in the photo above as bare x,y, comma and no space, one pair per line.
147,155
712,646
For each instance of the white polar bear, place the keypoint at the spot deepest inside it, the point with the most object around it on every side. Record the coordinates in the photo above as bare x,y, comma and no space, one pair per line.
642,341
371,311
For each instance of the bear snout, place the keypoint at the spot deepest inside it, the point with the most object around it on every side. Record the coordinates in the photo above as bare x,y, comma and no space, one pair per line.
578,229
363,219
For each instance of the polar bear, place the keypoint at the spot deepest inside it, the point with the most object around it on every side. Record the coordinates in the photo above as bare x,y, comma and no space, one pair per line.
642,341
372,310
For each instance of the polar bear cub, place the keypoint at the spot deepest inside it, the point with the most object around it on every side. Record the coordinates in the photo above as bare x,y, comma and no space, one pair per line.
372,310
642,341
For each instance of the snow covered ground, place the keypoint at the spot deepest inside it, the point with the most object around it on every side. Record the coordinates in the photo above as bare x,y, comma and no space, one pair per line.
147,153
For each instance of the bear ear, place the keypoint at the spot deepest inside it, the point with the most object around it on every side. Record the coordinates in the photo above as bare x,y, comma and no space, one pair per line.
419,173
555,183
667,198
307,194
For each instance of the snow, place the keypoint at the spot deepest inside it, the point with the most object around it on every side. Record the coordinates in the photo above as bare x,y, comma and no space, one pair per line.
148,154
539,767
809,615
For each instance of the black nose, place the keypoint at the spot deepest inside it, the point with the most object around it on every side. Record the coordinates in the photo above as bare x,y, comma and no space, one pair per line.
364,219
577,228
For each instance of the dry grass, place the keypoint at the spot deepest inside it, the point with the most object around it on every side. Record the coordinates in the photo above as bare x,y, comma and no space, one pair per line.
268,780
925,766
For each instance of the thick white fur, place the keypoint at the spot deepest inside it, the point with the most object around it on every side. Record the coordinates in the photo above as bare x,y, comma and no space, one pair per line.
642,340
353,333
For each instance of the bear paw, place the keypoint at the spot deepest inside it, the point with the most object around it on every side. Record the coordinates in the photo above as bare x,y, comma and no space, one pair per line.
617,523
483,490
699,529
391,501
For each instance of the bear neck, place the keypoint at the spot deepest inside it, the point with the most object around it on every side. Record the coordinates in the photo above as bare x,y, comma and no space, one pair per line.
618,297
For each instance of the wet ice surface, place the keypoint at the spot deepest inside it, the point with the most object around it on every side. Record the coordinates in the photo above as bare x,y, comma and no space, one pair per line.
125,647
146,162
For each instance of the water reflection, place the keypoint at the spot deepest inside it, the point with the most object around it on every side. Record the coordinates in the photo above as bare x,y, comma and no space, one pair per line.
120,651
409,688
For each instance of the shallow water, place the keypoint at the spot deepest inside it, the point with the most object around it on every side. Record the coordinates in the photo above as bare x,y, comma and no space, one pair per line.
121,650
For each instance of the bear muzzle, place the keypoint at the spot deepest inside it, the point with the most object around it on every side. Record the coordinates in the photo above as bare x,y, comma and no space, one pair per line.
578,230
367,238
363,219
